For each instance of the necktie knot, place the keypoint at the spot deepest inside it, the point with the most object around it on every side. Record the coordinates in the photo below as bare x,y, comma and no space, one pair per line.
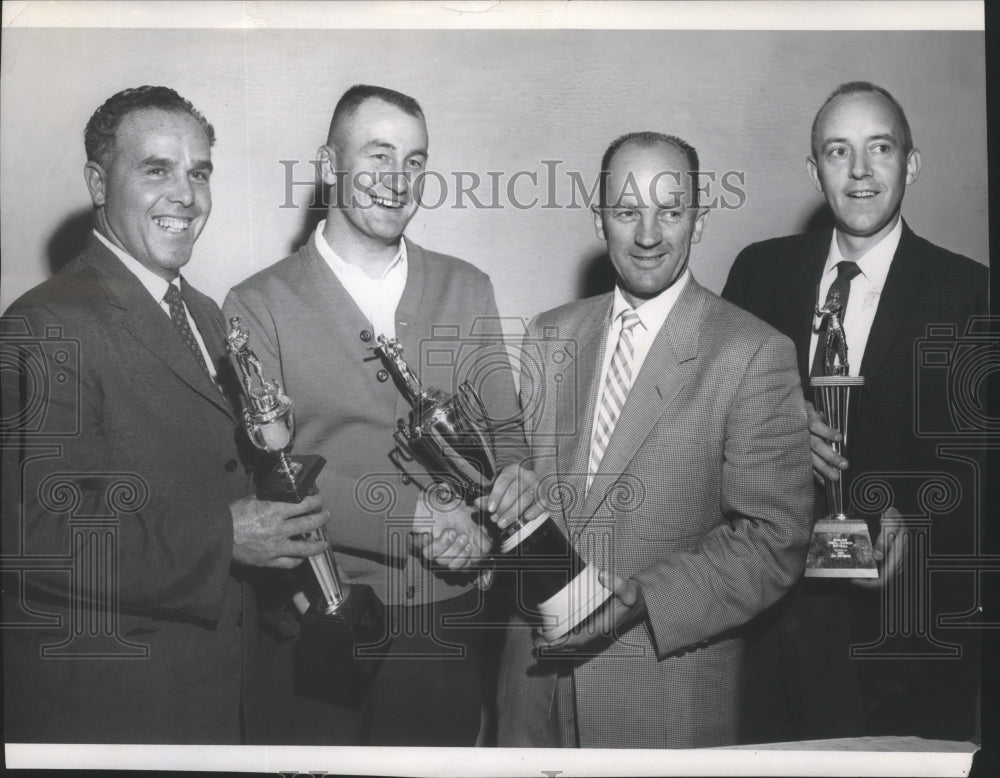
173,295
848,270
629,319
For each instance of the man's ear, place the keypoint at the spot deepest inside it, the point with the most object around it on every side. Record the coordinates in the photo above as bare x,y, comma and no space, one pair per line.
598,221
327,157
95,177
699,224
912,165
814,173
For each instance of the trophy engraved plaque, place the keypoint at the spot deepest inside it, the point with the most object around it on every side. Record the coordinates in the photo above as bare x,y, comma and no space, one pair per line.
453,438
840,546
336,615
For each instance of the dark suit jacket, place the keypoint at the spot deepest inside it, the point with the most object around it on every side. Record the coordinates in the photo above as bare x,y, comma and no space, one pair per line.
919,394
119,464
905,395
702,495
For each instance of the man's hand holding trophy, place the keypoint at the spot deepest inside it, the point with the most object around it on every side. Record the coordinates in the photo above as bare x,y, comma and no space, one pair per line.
342,615
452,436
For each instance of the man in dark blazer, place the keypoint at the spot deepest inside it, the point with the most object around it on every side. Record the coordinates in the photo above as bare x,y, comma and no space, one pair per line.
695,499
802,681
314,318
127,523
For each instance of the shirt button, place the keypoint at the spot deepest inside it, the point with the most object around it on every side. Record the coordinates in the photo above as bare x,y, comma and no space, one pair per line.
382,376
366,335
231,466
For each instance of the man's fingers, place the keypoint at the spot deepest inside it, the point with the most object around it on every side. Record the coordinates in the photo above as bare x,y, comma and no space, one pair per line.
499,491
301,525
284,562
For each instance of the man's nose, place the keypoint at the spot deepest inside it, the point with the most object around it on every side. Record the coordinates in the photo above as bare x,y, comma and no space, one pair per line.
396,181
181,191
860,166
649,233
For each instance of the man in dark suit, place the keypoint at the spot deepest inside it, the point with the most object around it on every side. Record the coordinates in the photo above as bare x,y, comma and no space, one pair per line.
673,423
313,319
127,523
802,680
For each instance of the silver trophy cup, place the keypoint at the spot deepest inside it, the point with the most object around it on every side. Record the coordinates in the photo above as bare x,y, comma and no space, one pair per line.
453,438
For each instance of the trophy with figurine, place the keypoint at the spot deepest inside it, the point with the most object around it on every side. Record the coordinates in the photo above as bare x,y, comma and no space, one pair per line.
841,545
452,436
337,616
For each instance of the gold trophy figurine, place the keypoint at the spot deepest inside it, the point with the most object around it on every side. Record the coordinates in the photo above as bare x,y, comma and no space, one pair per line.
841,545
344,614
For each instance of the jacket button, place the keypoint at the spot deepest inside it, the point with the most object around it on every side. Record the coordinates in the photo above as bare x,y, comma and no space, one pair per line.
239,619
411,591
382,376
366,335
231,466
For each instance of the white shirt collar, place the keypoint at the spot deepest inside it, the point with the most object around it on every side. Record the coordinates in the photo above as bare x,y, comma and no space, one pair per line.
654,311
155,285
874,263
341,267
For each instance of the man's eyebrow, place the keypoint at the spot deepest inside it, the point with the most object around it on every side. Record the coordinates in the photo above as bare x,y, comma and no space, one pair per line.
869,139
158,162
203,164
384,144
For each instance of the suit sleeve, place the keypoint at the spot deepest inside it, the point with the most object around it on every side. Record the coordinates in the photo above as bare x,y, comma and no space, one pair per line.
172,557
746,563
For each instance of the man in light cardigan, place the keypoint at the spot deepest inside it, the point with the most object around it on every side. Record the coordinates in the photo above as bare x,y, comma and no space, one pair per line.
314,318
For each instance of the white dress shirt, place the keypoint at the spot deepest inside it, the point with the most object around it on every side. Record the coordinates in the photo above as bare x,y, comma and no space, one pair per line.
157,287
866,291
376,297
652,313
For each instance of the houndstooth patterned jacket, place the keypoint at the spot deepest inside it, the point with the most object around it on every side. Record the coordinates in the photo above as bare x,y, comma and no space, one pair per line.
704,497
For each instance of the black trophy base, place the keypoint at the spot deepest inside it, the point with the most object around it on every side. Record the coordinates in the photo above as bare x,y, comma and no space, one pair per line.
326,665
278,487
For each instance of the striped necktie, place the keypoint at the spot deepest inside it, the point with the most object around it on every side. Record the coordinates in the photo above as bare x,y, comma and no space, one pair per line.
180,321
616,386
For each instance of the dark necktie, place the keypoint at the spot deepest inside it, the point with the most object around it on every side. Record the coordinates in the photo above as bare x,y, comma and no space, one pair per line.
846,272
180,321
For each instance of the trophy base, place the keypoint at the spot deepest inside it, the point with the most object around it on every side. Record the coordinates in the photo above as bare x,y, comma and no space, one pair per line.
278,487
327,666
840,547
571,606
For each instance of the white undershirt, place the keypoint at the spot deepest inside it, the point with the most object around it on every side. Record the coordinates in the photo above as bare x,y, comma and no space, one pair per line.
376,297
157,287
652,313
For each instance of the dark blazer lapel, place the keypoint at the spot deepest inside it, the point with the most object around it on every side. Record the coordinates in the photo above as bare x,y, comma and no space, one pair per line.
149,324
213,331
662,376
894,303
575,398
804,288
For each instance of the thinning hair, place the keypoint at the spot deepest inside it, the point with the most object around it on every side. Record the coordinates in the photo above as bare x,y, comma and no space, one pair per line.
645,139
352,99
860,88
100,133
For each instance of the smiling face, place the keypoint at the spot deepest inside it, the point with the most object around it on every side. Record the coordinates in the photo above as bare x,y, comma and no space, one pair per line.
648,222
376,153
151,194
861,167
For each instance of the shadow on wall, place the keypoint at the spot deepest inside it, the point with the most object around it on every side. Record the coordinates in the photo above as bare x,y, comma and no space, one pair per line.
68,239
314,212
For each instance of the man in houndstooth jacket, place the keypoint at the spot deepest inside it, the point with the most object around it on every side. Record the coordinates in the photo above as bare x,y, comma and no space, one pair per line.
692,491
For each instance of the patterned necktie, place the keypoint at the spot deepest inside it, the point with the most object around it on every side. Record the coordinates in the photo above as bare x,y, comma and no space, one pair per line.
846,272
179,318
616,386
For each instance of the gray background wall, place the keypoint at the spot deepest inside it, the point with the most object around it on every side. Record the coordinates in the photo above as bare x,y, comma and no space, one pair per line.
495,101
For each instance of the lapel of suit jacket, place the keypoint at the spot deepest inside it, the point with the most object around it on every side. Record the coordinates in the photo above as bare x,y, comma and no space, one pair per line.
575,396
664,372
804,291
893,305
143,317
